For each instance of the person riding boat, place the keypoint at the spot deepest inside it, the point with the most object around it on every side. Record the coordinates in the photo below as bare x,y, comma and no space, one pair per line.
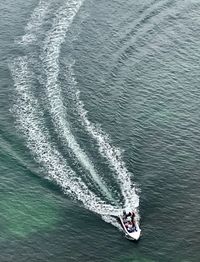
130,227
129,221
128,215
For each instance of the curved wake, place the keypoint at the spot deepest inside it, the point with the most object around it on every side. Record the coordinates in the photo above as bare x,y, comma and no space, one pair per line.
50,58
110,153
29,118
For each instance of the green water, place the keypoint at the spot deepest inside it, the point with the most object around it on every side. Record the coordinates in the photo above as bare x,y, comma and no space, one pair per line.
136,64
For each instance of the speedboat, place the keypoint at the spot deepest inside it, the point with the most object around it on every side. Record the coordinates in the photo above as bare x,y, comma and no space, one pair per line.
131,232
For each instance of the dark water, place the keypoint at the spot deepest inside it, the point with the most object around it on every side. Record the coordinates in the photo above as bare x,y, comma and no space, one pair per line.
136,65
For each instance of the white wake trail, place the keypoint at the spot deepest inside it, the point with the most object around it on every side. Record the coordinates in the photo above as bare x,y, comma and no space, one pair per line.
35,22
50,58
28,116
111,153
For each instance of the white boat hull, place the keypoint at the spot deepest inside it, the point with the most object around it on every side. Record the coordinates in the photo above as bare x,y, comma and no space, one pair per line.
135,235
